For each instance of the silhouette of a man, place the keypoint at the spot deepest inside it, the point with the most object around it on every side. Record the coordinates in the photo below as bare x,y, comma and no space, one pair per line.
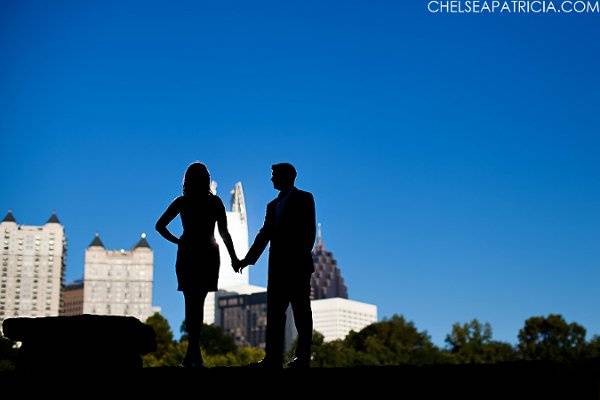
290,228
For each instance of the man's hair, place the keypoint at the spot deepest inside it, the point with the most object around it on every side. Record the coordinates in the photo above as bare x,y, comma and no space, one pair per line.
286,170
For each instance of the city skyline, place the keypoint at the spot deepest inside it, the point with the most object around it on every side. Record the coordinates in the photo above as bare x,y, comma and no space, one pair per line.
453,158
110,275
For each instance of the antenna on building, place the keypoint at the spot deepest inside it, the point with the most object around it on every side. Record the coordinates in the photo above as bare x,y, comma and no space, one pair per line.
319,235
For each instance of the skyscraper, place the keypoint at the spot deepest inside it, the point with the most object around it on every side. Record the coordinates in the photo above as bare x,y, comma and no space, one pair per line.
326,282
231,282
237,223
244,318
118,282
334,315
334,318
33,268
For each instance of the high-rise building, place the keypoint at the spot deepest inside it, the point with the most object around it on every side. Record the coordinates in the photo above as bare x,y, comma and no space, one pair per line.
237,223
230,281
244,318
72,299
118,282
334,318
326,282
32,268
212,313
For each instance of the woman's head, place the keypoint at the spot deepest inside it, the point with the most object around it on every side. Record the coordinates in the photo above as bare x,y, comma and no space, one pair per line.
196,180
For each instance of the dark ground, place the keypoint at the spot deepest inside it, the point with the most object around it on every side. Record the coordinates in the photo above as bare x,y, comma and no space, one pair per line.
527,380
96,356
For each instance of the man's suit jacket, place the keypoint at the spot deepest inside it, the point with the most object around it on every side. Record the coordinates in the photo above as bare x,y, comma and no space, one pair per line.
292,236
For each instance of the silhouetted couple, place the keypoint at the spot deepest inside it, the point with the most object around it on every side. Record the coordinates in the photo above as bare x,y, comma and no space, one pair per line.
289,227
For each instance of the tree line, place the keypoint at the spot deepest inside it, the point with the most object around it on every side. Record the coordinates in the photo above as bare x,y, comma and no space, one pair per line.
393,341
397,341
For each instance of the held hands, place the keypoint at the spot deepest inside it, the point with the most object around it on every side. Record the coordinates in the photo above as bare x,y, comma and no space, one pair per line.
235,264
239,265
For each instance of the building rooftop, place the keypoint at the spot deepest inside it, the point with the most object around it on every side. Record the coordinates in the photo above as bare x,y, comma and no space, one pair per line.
53,219
9,217
96,242
142,242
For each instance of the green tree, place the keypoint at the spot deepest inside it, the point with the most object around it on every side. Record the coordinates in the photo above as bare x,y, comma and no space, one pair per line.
242,356
334,354
551,338
212,339
472,343
218,348
164,335
317,342
593,347
392,342
168,351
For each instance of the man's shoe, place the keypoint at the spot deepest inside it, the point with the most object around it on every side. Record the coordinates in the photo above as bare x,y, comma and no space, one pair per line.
192,364
264,363
298,363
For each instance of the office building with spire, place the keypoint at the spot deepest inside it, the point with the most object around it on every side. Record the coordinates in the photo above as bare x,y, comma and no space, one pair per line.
334,315
326,282
230,282
118,282
32,268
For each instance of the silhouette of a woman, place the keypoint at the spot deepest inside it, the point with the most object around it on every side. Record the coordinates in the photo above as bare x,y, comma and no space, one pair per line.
197,265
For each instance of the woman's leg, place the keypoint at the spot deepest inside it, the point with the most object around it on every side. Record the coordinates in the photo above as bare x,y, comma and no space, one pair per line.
194,316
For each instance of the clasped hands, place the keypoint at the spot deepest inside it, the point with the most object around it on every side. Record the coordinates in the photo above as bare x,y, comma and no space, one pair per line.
238,265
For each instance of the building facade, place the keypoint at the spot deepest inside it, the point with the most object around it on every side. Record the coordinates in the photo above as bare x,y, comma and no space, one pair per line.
118,282
334,318
244,318
237,223
72,299
326,282
32,269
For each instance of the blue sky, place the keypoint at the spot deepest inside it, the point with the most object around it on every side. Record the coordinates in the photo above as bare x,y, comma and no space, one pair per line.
453,158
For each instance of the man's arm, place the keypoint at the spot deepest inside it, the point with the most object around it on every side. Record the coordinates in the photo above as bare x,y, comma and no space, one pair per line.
311,223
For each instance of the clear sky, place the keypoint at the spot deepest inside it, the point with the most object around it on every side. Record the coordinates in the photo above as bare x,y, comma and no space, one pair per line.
453,158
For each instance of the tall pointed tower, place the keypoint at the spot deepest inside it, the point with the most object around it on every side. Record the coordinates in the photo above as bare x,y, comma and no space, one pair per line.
229,280
237,223
327,281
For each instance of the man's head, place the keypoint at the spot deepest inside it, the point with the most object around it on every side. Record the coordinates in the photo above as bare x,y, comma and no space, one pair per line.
284,175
